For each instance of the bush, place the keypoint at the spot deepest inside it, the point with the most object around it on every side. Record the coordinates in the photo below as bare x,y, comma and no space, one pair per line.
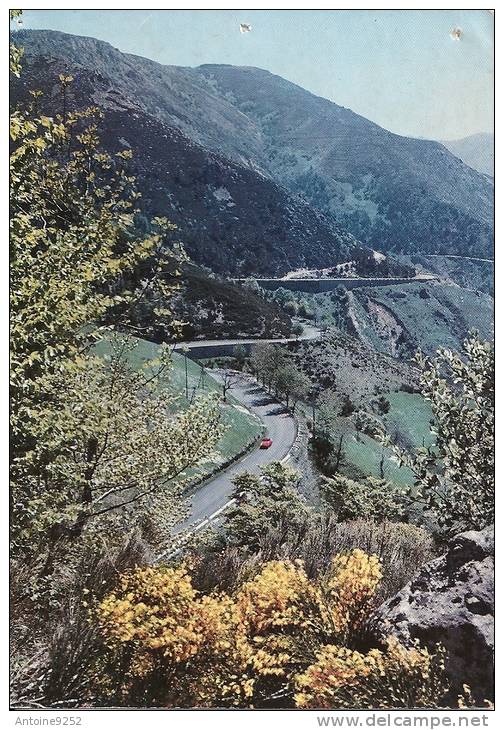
291,308
395,677
315,538
305,310
347,408
168,645
370,498
368,424
53,641
279,640
401,548
383,405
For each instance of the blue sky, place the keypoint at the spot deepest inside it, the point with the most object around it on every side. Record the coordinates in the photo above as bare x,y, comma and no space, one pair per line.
400,69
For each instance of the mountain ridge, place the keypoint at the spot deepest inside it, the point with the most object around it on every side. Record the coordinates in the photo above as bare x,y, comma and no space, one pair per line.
396,194
229,216
361,174
475,150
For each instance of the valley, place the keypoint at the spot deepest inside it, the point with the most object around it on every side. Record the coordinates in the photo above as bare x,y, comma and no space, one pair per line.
287,204
252,362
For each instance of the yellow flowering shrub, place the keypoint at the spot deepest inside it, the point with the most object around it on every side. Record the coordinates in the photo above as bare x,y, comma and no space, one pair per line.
177,643
275,609
396,677
278,634
275,598
153,609
351,588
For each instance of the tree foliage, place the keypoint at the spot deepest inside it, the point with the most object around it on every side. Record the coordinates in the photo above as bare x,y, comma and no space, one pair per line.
275,368
122,441
328,406
15,53
266,359
264,502
87,437
370,498
455,477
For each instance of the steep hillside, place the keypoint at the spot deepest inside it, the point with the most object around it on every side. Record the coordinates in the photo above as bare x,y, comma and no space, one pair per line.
477,151
477,274
179,97
352,367
392,192
215,308
207,306
400,320
242,427
230,217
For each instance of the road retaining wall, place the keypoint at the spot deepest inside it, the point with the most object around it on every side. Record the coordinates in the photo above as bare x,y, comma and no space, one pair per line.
316,286
197,351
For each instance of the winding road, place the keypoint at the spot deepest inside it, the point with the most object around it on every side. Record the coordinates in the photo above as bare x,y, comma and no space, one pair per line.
279,425
453,256
310,332
214,495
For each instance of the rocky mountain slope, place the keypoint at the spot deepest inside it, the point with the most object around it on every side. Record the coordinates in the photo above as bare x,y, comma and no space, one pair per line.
394,193
230,217
348,365
261,131
212,308
451,602
477,151
401,320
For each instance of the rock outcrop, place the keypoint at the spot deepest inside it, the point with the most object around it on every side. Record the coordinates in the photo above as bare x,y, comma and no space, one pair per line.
451,601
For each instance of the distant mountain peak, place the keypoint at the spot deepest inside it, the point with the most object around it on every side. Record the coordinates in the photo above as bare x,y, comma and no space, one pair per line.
476,150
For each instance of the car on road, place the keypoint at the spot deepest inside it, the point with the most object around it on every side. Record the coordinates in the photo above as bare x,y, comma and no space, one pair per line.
265,443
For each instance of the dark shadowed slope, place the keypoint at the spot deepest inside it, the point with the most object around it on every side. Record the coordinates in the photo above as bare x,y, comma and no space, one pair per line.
230,216
392,192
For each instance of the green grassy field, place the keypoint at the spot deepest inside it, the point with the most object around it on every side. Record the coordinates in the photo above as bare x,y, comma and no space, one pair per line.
242,427
410,415
363,456
409,419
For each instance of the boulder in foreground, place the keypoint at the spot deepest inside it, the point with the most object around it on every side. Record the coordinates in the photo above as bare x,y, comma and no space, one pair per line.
451,602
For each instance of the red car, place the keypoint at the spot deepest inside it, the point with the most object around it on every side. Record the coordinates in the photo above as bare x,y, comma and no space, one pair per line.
265,443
